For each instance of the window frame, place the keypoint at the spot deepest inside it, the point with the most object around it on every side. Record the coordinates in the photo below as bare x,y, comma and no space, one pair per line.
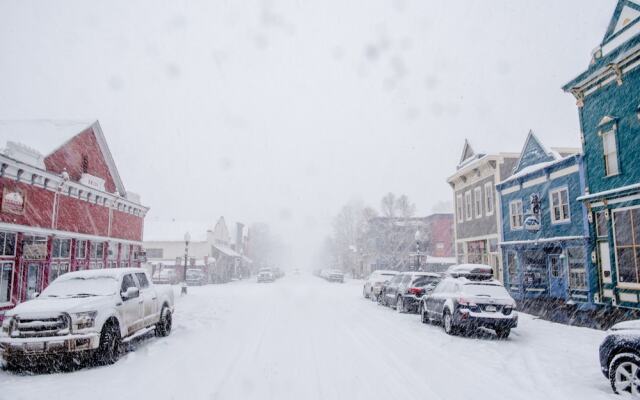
3,243
84,249
57,264
489,206
582,270
468,209
477,202
459,208
12,279
511,215
634,246
604,134
567,218
59,241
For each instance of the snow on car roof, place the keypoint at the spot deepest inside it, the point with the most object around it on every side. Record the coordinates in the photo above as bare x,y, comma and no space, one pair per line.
385,271
96,273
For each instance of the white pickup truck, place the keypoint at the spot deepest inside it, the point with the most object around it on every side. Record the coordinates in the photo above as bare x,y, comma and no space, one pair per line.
86,315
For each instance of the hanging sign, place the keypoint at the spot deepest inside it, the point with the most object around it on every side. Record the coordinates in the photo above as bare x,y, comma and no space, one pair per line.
533,222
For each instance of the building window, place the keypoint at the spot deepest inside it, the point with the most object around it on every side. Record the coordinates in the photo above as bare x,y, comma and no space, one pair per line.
554,262
560,205
626,224
488,198
113,251
6,282
459,212
515,214
85,163
7,244
477,199
512,268
58,269
34,247
610,149
125,252
577,271
602,225
468,206
97,250
81,249
61,248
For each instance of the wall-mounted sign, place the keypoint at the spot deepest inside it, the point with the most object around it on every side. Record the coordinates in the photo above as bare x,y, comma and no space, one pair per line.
13,200
533,222
92,181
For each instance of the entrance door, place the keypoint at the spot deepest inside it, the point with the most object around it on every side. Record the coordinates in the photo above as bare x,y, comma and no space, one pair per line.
34,274
557,277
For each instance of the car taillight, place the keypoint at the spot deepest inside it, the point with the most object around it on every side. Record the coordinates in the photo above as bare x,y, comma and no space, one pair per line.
416,291
466,302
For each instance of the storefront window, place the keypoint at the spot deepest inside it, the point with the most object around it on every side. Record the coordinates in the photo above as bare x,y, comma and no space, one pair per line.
125,252
577,272
61,248
57,269
626,225
7,244
512,268
6,270
113,251
535,270
34,247
81,249
97,250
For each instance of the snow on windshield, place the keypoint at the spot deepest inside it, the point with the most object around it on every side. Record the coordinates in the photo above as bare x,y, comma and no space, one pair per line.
495,291
91,286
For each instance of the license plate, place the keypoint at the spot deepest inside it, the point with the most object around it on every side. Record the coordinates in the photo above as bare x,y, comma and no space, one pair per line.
34,346
490,308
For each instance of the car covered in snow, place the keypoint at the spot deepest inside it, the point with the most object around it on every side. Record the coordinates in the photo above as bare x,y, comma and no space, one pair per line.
86,315
196,277
333,275
470,298
405,290
165,276
374,282
620,357
266,275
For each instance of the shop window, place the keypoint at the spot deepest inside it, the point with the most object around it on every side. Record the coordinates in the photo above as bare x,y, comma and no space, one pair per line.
560,205
515,214
626,224
488,198
97,250
468,206
34,247
535,269
512,268
57,269
6,282
610,153
602,225
459,209
125,249
7,244
477,201
113,250
81,249
61,248
577,271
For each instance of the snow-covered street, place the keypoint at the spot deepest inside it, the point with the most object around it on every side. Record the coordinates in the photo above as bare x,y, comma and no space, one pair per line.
304,338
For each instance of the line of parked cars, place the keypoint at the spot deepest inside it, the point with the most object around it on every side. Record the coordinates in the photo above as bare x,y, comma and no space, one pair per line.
269,274
331,275
463,299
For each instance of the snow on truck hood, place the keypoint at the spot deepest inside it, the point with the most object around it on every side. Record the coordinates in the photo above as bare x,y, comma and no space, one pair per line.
42,307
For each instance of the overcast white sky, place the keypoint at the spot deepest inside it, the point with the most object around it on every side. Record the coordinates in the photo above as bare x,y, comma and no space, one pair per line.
281,111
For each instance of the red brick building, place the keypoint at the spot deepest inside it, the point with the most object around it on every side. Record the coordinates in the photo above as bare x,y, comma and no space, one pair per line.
63,211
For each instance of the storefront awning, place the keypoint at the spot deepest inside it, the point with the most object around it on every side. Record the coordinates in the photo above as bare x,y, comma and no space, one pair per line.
226,250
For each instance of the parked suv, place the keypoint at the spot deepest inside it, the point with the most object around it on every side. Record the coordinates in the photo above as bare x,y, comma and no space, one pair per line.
196,277
85,313
405,290
373,283
469,297
620,357
266,275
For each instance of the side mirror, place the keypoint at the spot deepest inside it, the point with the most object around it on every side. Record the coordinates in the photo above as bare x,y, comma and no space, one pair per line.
130,293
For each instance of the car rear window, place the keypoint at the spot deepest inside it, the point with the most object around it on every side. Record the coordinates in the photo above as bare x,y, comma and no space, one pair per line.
425,280
475,289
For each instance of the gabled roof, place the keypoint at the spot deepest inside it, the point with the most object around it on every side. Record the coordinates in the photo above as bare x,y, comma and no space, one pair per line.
533,152
47,136
625,14
468,154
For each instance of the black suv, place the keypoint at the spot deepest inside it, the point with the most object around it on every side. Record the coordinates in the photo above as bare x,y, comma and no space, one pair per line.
469,298
620,357
405,290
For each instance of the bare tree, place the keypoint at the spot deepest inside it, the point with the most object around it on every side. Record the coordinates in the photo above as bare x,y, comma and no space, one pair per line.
388,205
404,207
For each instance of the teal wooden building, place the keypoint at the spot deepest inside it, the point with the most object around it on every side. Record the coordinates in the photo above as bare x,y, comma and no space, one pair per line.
608,99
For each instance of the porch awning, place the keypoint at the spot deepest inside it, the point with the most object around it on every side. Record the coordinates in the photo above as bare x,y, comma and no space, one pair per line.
226,250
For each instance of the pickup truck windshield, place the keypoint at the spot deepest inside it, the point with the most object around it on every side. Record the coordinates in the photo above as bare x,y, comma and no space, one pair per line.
82,286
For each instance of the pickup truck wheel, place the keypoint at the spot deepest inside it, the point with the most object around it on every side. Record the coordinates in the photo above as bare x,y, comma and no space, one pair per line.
163,328
110,341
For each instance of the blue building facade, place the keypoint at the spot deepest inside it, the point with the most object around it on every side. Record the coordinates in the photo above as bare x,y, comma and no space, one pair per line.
608,99
545,239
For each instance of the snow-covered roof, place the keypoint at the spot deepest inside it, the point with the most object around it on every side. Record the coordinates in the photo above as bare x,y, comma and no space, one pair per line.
226,250
441,260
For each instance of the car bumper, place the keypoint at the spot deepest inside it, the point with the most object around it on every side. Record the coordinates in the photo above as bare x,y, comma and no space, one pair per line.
47,346
411,302
477,320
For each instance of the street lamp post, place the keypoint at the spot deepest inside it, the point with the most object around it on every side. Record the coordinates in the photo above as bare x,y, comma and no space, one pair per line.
187,239
417,237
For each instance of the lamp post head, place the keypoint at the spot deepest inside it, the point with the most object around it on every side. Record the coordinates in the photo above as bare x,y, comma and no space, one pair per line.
187,237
